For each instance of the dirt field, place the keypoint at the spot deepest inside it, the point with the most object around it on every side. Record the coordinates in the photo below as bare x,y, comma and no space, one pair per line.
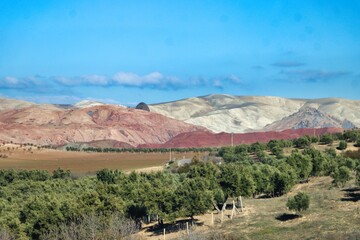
82,162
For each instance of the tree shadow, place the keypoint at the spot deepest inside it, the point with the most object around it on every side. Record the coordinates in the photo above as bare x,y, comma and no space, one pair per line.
264,196
351,194
287,217
179,225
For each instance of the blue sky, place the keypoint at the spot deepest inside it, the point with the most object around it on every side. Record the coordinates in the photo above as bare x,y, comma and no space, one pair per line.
155,51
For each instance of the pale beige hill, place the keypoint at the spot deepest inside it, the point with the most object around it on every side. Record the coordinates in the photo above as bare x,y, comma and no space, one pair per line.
88,103
8,103
226,113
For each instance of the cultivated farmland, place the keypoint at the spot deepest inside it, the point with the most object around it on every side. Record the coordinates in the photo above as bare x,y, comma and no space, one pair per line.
81,162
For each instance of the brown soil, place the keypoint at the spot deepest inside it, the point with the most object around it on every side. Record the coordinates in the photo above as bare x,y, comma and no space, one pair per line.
82,162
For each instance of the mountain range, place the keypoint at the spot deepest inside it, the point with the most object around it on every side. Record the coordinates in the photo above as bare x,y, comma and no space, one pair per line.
199,121
239,114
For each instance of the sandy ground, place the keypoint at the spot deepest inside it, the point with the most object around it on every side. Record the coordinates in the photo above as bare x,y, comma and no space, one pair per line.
204,223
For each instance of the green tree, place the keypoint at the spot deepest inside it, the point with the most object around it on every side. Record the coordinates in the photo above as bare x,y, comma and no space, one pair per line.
301,163
342,145
208,171
108,176
302,142
358,175
318,161
341,176
193,197
351,135
285,178
278,152
331,152
61,173
236,180
255,147
264,177
357,144
327,139
300,202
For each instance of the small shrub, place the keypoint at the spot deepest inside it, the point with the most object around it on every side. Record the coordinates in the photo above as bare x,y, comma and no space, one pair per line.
342,145
300,202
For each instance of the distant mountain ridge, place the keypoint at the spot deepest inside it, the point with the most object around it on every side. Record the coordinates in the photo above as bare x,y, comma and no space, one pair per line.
239,114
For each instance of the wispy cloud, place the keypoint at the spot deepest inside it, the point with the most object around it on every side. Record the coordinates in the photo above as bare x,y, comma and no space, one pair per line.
94,79
233,79
287,64
13,82
153,80
313,75
36,83
257,67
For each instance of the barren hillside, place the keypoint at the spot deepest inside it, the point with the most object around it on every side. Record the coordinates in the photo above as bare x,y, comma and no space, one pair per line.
226,113
309,118
59,126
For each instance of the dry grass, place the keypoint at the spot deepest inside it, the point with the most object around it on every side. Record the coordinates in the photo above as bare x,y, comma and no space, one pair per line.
334,213
82,162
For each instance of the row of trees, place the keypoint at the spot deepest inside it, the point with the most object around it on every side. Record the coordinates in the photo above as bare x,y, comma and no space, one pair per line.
138,150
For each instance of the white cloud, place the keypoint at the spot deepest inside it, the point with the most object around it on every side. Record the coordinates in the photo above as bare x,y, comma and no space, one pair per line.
66,81
217,83
235,79
155,80
132,79
11,80
95,79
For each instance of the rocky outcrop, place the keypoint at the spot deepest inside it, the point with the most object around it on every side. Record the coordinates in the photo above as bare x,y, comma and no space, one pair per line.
143,106
309,118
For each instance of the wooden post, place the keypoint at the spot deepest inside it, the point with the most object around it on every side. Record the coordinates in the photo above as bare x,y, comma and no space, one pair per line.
170,154
222,216
187,228
232,210
212,218
241,204
216,207
224,206
164,234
